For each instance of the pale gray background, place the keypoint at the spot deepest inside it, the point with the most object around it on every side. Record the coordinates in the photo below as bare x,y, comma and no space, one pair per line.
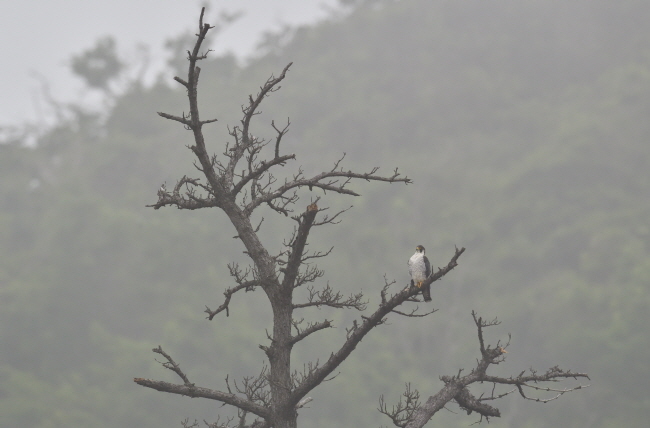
39,38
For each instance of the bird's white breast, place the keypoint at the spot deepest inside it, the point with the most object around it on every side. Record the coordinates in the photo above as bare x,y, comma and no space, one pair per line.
417,268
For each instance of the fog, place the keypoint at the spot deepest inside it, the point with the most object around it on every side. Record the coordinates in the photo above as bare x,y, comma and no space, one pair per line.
522,124
40,37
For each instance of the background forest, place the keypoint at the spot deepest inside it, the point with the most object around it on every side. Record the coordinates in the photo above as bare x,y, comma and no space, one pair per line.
525,128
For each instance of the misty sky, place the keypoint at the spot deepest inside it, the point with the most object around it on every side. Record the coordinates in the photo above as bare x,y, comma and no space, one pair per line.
39,37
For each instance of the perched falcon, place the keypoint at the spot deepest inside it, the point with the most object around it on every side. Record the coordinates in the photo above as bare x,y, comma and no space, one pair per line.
420,269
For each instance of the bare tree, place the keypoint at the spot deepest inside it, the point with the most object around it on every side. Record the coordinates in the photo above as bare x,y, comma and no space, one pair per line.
239,182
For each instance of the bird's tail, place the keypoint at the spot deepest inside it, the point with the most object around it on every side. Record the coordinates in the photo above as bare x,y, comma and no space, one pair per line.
426,293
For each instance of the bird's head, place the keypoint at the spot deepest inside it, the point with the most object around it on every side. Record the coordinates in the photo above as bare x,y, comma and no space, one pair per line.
419,249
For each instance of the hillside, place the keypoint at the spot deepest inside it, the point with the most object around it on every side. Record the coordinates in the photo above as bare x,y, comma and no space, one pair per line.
524,126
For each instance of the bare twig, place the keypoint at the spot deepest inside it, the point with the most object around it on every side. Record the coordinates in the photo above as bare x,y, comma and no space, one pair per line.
311,328
228,293
171,365
328,297
402,412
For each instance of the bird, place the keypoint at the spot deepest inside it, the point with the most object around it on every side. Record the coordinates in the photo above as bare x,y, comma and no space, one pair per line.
420,269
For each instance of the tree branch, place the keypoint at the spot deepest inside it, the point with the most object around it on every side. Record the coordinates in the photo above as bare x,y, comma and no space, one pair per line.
402,412
312,328
248,285
357,334
259,171
470,404
456,386
171,365
242,284
311,274
244,141
294,260
184,120
255,388
327,297
189,200
199,392
333,185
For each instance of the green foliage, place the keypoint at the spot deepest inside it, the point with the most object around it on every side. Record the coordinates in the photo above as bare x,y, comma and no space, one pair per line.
524,126
99,65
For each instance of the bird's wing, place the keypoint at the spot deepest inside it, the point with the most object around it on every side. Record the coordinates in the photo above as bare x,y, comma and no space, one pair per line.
427,266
